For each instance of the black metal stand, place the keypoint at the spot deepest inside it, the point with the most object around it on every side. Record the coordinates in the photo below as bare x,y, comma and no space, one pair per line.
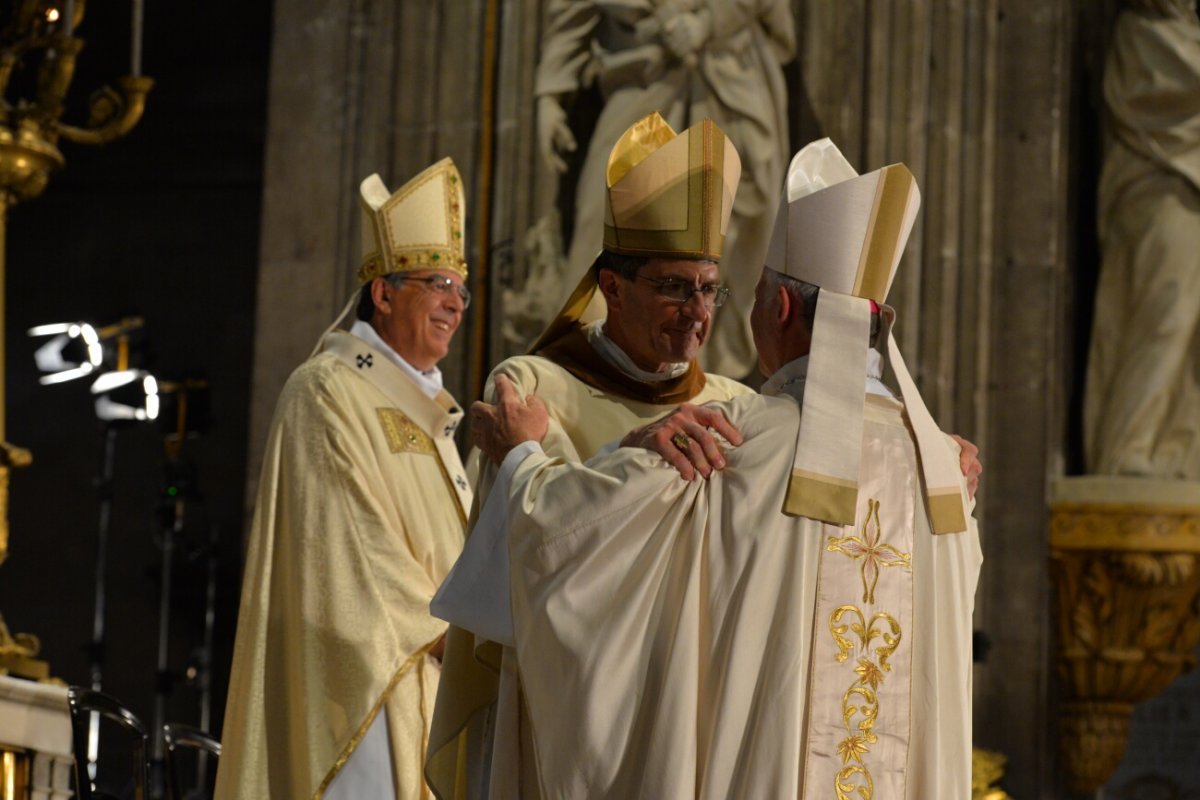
179,490
204,654
96,647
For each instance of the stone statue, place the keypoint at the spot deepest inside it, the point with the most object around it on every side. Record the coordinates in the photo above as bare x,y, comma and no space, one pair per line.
1142,405
686,59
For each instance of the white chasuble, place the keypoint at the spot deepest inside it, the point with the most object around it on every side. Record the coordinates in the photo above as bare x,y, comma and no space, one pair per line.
479,746
359,516
689,640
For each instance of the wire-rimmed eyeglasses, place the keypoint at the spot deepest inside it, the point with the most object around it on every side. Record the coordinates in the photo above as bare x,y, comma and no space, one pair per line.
441,284
680,291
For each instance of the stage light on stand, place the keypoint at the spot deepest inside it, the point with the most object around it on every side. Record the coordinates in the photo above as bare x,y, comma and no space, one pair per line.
73,352
78,349
127,396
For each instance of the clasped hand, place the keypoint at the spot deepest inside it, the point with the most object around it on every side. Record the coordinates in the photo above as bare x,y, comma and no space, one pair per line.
497,429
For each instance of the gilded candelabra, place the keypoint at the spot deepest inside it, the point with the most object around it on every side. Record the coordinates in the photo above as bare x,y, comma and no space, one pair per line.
38,52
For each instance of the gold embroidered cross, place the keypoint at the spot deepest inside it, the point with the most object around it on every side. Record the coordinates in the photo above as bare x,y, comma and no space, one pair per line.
868,548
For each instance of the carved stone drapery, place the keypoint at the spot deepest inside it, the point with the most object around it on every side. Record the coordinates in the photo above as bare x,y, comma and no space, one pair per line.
1125,559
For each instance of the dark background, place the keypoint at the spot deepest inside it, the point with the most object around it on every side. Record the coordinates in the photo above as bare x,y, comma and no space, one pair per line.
163,223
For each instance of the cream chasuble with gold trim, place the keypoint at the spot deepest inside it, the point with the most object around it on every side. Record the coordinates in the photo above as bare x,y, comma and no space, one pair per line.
668,195
359,517
682,640
481,701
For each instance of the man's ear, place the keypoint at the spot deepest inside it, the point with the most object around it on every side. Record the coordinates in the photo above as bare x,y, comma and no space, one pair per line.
785,308
609,285
380,289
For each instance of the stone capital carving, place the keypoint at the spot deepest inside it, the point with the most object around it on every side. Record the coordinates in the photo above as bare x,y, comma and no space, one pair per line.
1127,575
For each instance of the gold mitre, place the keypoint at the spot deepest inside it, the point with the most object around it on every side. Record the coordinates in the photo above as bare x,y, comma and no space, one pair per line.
846,233
670,196
420,226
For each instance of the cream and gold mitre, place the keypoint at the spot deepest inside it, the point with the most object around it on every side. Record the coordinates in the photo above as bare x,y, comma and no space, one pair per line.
670,195
839,230
419,226
846,233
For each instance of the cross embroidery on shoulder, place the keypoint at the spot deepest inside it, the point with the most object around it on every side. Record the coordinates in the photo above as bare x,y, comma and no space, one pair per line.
366,360
461,481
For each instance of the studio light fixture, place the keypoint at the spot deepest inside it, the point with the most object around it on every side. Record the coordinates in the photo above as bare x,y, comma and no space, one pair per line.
127,395
73,352
78,349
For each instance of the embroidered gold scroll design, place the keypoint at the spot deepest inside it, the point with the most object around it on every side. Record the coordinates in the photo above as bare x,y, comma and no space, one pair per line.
403,435
860,703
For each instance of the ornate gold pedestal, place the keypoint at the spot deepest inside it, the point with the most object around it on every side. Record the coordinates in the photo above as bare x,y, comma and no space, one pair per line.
1125,559
14,773
987,768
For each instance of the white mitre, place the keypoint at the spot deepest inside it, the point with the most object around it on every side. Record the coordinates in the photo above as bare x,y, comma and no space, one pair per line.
846,233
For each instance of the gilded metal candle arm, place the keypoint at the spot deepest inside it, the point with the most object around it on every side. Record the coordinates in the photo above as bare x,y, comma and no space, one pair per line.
112,114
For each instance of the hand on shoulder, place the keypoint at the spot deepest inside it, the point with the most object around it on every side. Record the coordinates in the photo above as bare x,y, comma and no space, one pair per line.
685,439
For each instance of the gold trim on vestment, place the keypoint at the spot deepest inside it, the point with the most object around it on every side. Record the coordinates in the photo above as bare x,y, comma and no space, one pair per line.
402,434
821,497
946,513
861,697
350,747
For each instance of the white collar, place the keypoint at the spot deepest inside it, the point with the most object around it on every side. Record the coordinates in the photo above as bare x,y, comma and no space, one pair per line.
789,379
430,382
614,355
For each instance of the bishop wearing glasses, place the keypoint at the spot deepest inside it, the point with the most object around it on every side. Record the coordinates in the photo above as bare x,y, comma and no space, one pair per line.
620,354
360,513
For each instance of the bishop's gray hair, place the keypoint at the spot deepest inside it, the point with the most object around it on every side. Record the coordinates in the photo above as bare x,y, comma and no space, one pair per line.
366,306
808,294
803,292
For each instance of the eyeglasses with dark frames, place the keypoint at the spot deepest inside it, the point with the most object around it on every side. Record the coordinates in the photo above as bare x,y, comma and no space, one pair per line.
440,284
680,291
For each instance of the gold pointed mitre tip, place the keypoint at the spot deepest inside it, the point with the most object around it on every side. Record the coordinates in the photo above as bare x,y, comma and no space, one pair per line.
670,196
420,226
641,139
842,231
